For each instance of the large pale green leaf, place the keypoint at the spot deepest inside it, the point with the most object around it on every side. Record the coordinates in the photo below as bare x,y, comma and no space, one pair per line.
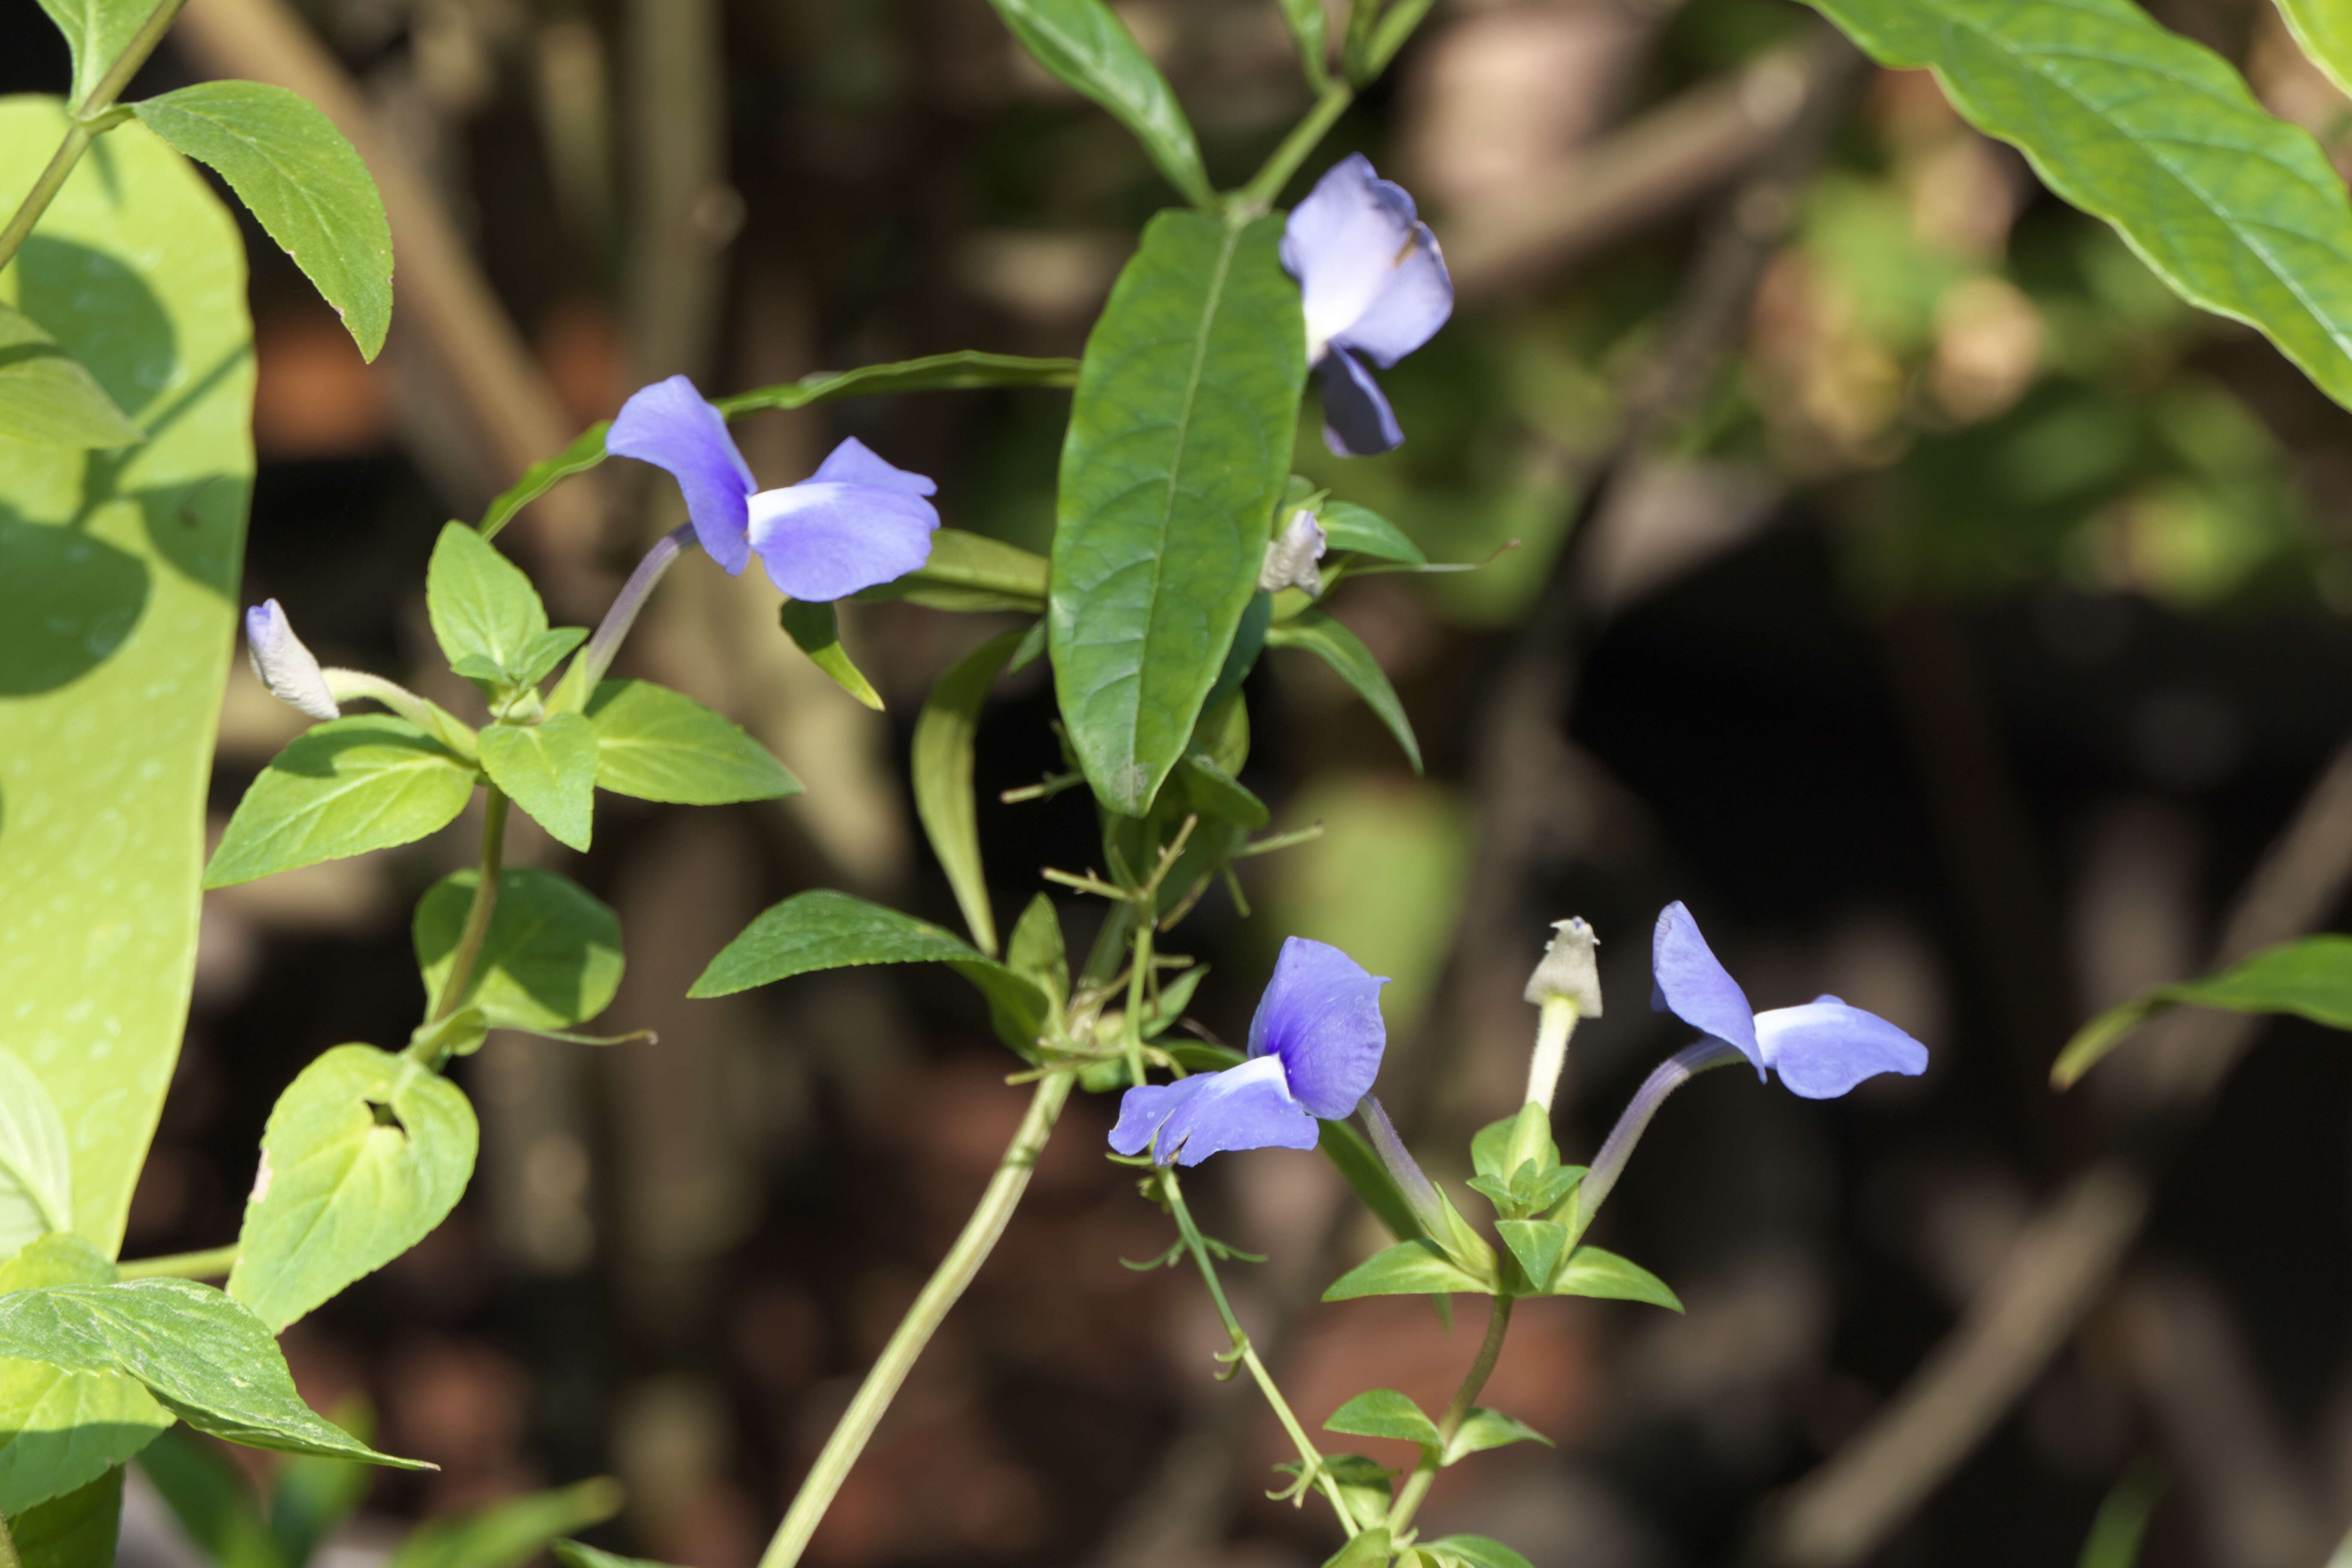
302,179
552,958
347,786
205,1358
940,768
1335,645
658,744
77,1531
2238,212
117,572
549,768
1085,45
506,1535
36,1165
61,1430
96,31
2311,978
825,930
480,603
1178,446
45,396
363,1154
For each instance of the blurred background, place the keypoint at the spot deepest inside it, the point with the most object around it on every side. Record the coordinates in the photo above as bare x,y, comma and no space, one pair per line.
1904,578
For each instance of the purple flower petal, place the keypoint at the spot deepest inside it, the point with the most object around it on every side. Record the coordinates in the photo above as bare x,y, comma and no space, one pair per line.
1247,1107
821,540
1825,1047
1691,982
671,427
1342,244
854,463
1321,1016
1406,314
1357,419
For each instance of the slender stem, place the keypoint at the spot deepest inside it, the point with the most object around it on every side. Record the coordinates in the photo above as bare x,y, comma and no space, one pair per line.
922,1320
210,1263
1308,1454
1416,1486
357,685
477,932
1267,184
1665,1079
588,667
1420,1191
1131,1034
90,117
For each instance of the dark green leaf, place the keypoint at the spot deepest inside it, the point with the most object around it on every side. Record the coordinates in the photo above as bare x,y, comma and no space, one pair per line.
1035,951
213,1502
940,767
97,32
1408,1268
2238,212
550,769
35,1163
480,603
2311,978
302,178
348,786
587,450
1347,526
1085,45
47,396
1179,444
658,744
816,629
1317,632
506,1534
363,1154
1249,641
1482,1429
1356,1160
1537,1245
552,958
1213,791
201,1355
1590,1271
77,1531
969,573
61,1430
1384,1412
1475,1551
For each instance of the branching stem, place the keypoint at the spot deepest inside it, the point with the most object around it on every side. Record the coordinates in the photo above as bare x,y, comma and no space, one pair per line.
213,1263
1473,1382
477,932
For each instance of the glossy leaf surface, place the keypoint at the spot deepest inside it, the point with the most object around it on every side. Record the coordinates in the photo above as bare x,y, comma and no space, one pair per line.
61,1430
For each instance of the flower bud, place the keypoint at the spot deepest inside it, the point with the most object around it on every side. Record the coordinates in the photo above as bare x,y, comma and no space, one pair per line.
1567,971
284,664
1290,558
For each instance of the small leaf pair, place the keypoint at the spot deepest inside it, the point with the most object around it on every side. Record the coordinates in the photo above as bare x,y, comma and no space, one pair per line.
1385,1413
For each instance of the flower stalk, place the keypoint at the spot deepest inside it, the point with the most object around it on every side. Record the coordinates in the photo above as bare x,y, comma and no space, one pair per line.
1665,1079
1474,1382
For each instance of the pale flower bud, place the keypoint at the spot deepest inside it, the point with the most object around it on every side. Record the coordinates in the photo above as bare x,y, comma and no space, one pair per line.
285,665
1290,558
1567,971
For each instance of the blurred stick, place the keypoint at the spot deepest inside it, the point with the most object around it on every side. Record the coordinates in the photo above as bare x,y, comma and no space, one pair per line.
1845,1509
441,295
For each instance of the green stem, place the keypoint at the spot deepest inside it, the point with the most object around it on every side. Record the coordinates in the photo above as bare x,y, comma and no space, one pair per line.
477,932
90,117
1308,1454
922,1320
1132,1034
210,1263
1259,194
1416,1486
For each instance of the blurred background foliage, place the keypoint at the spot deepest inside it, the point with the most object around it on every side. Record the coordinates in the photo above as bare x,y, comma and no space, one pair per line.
1955,644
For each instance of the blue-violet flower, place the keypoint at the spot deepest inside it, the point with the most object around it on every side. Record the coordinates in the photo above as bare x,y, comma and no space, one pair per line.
1821,1049
1314,1049
855,523
1374,287
286,666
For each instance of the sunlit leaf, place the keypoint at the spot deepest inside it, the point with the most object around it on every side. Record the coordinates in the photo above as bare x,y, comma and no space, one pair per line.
348,786
46,395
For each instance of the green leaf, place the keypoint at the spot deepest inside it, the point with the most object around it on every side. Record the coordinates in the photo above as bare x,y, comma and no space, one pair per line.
1353,1156
46,395
1312,30
1409,1268
1347,526
36,1165
1317,632
2323,29
969,573
1179,445
816,629
660,744
553,957
543,653
2311,978
1036,952
212,1501
1085,46
587,450
1475,1551
481,603
97,31
118,614
1368,1549
363,1154
205,1358
1482,1429
1384,1412
1366,1485
1590,1271
348,786
580,1554
506,1534
940,769
1215,792
551,770
1537,1245
2238,212
302,178
61,1430
77,1531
